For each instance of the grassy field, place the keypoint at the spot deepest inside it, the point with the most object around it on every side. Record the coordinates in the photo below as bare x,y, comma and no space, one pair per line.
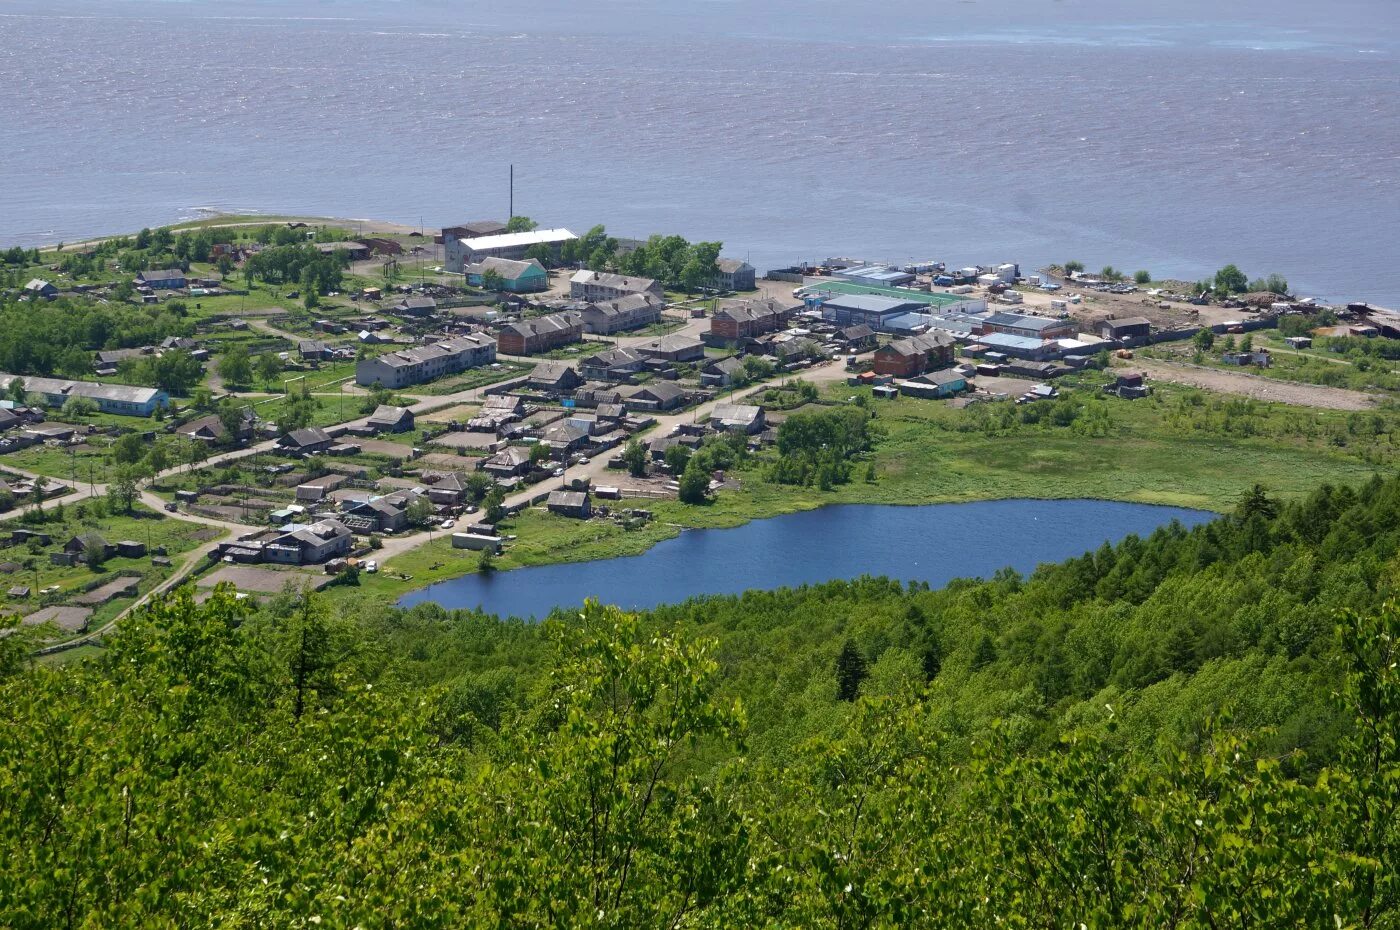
1354,370
336,408
90,461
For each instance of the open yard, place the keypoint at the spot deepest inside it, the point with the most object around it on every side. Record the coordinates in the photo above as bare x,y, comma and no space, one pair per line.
1259,384
96,592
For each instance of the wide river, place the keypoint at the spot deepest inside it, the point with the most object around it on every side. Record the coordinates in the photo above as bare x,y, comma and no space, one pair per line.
1168,135
934,543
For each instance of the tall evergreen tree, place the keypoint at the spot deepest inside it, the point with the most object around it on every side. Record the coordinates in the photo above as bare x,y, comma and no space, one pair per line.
851,670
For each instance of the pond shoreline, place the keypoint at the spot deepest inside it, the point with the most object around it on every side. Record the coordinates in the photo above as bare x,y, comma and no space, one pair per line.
926,542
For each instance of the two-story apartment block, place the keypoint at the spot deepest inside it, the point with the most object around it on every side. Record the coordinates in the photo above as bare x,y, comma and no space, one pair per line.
905,358
617,364
733,274
541,334
602,285
743,319
606,317
424,363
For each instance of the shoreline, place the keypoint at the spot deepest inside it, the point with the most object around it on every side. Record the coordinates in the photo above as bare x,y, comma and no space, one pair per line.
219,220
374,226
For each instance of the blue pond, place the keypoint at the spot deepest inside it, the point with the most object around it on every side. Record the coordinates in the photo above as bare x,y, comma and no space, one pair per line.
934,543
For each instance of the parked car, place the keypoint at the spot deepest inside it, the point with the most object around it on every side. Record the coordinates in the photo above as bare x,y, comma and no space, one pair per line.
448,524
371,566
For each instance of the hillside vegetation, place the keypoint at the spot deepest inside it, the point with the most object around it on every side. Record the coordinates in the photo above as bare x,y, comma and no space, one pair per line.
1196,729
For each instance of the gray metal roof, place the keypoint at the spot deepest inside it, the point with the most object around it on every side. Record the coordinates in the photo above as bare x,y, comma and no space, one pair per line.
1021,321
870,303
418,354
122,393
619,282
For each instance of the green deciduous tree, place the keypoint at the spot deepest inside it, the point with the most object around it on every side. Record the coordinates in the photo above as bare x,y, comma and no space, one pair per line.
77,407
129,448
634,456
234,365
493,504
1230,280
677,458
122,489
269,367
694,482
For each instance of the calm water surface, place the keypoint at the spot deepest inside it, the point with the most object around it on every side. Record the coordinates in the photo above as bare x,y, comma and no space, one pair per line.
934,543
1173,135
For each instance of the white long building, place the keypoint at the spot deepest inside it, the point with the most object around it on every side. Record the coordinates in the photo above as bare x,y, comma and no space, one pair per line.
458,253
126,399
424,363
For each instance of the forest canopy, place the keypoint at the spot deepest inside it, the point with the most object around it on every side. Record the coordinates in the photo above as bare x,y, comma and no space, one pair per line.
1193,729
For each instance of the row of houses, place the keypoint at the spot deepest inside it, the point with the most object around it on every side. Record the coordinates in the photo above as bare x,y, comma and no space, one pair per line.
622,362
106,361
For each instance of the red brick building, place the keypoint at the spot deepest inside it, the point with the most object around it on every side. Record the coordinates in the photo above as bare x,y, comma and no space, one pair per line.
529,337
905,358
742,319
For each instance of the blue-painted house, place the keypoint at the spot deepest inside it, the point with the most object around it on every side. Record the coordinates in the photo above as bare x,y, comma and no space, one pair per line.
943,383
516,277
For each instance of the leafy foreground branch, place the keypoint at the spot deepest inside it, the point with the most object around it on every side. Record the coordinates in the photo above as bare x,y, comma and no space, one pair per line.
221,769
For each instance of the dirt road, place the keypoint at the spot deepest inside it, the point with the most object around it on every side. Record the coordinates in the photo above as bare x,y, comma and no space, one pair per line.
1256,386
